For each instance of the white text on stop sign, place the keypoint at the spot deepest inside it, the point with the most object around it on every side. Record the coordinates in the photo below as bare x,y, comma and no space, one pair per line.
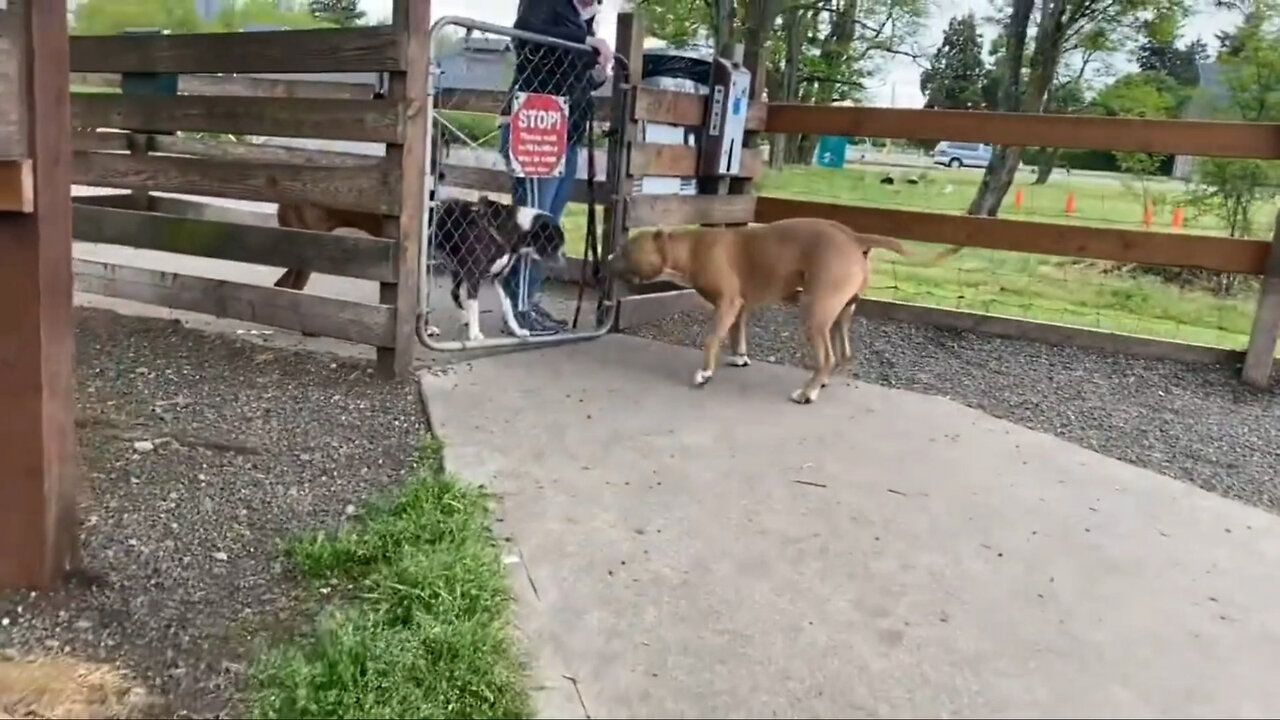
539,119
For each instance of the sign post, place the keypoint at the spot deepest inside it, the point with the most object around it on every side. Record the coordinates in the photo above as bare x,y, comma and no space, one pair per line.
539,135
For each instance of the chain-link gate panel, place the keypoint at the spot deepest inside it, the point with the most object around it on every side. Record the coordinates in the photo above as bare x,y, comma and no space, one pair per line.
516,203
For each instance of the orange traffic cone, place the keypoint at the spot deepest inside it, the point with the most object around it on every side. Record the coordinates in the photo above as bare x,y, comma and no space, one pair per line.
1148,214
1071,203
1017,200
1177,217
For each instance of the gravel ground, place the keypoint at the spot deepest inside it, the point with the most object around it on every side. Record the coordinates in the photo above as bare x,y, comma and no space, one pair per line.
201,454
1197,423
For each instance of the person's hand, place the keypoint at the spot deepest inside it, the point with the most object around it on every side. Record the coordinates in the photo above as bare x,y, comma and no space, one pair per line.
604,53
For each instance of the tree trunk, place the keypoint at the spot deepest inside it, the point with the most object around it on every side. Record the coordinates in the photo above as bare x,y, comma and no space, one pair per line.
1003,168
1048,161
782,147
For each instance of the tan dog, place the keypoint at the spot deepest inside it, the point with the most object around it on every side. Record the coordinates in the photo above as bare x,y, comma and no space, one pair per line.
309,216
819,264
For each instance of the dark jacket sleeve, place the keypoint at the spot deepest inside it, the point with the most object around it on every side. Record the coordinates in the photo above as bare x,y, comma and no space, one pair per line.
554,18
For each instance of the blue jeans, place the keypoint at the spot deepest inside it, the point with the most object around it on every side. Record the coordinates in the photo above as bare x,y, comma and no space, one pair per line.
524,281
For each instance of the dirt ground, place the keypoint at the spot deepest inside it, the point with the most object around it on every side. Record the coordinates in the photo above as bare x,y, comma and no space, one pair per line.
201,455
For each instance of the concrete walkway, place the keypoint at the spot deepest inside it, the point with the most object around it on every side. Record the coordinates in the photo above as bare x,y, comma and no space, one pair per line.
725,553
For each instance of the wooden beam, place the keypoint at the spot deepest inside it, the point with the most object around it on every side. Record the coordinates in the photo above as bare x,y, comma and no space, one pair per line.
367,189
39,528
672,210
282,51
654,159
682,108
357,256
411,21
1261,353
1173,137
312,314
17,186
358,120
243,85
1136,246
112,141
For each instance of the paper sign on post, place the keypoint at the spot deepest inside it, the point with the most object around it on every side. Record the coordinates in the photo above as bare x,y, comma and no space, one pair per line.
539,135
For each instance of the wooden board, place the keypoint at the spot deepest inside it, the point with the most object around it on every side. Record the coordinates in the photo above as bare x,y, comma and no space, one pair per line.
1261,353
489,180
315,314
361,120
1174,137
243,85
39,516
669,210
653,159
17,186
357,256
367,189
682,108
345,50
113,141
1194,251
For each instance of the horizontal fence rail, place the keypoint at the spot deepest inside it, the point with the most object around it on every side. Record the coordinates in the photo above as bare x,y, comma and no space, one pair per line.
1207,252
354,256
321,118
1173,137
284,51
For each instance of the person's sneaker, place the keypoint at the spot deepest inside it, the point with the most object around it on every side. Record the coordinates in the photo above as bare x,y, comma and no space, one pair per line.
531,322
546,317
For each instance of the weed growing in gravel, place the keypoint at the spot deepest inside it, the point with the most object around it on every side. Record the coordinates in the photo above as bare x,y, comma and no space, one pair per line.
420,624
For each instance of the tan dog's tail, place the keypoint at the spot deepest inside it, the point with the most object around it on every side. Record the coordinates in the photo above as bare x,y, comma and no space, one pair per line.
882,241
944,254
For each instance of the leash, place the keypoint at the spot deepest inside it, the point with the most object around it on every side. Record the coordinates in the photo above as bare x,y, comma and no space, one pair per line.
592,249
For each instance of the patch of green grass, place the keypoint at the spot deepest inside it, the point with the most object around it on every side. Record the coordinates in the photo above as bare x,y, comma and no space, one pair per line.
416,617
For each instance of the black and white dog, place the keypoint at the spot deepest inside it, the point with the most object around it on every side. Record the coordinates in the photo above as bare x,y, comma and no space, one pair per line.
480,240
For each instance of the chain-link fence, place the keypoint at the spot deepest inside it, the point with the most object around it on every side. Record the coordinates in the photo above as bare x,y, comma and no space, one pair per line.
522,165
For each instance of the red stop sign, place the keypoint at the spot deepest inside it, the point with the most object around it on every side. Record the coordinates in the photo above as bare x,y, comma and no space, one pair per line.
539,135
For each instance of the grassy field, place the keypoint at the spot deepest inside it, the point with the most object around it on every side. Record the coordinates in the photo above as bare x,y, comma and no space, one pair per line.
1037,287
414,614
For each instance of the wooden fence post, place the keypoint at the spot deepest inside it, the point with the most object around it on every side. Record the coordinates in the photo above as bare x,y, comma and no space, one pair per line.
1261,354
38,528
412,18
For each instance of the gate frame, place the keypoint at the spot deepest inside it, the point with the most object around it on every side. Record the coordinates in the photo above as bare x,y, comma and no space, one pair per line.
621,89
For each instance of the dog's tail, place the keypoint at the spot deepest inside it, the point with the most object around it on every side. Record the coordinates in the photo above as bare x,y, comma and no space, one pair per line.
885,242
944,254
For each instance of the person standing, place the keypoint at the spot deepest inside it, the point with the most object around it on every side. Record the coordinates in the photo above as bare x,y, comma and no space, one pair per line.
573,75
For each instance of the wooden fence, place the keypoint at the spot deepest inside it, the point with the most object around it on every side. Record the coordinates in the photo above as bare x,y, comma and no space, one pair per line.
150,157
1212,139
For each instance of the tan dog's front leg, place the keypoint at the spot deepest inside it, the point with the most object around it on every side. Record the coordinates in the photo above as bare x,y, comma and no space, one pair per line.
739,357
726,312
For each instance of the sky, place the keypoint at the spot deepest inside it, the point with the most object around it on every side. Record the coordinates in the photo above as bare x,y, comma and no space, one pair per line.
898,86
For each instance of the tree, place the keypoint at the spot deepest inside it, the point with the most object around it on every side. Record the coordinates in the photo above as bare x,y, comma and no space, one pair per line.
112,17
815,51
1026,78
1230,188
340,13
243,14
957,72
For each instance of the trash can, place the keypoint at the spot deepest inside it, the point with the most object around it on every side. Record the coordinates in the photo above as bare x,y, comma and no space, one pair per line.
681,71
831,151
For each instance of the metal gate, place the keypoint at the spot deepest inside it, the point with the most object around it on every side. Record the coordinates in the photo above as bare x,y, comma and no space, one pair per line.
496,248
